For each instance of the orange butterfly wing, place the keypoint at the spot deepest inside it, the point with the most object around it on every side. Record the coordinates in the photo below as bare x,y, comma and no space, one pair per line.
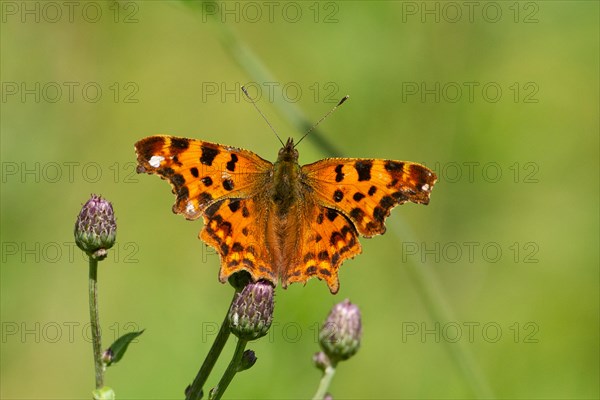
221,183
365,190
328,238
199,172
348,197
235,227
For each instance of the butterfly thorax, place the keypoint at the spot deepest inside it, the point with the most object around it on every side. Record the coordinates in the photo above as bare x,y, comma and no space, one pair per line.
286,175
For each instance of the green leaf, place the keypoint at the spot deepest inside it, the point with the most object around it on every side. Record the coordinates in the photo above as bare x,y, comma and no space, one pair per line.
116,351
105,393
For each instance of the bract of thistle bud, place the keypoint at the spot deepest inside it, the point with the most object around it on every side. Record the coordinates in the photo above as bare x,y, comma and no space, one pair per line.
340,335
251,311
96,228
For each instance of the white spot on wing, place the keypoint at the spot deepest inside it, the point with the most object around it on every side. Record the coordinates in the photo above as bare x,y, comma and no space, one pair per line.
425,187
155,161
189,208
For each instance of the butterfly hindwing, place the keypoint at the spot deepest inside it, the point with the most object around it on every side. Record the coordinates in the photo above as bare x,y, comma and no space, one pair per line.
366,190
329,239
233,228
200,172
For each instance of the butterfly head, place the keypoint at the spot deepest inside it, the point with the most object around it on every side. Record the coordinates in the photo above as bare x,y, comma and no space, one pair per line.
288,152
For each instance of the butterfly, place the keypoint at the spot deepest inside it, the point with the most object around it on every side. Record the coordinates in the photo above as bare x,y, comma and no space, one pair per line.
282,221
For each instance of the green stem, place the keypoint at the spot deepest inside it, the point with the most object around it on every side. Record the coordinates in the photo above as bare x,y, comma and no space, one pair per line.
194,392
325,382
95,323
232,369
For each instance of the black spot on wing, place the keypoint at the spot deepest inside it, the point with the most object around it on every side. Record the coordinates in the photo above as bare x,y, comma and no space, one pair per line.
358,196
224,249
421,175
400,197
207,181
393,166
212,209
178,180
357,214
339,175
338,195
208,154
234,205
150,146
387,202
237,246
204,198
335,259
167,172
379,214
180,144
231,164
372,190
346,229
183,194
194,172
228,184
363,168
335,237
331,214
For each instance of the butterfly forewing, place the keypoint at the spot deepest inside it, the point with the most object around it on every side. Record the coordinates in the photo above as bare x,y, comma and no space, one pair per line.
365,190
201,172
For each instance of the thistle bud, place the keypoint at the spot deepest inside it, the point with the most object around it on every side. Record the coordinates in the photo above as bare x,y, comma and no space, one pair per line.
321,361
248,360
107,356
340,336
251,311
96,228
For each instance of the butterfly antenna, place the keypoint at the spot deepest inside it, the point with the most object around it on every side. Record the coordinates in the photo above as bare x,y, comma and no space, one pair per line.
262,115
346,97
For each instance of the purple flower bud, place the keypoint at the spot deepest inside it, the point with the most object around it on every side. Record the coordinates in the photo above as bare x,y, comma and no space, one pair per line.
247,361
107,356
96,228
321,361
251,312
341,334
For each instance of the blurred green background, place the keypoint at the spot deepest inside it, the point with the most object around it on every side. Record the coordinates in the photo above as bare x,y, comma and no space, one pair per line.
490,291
